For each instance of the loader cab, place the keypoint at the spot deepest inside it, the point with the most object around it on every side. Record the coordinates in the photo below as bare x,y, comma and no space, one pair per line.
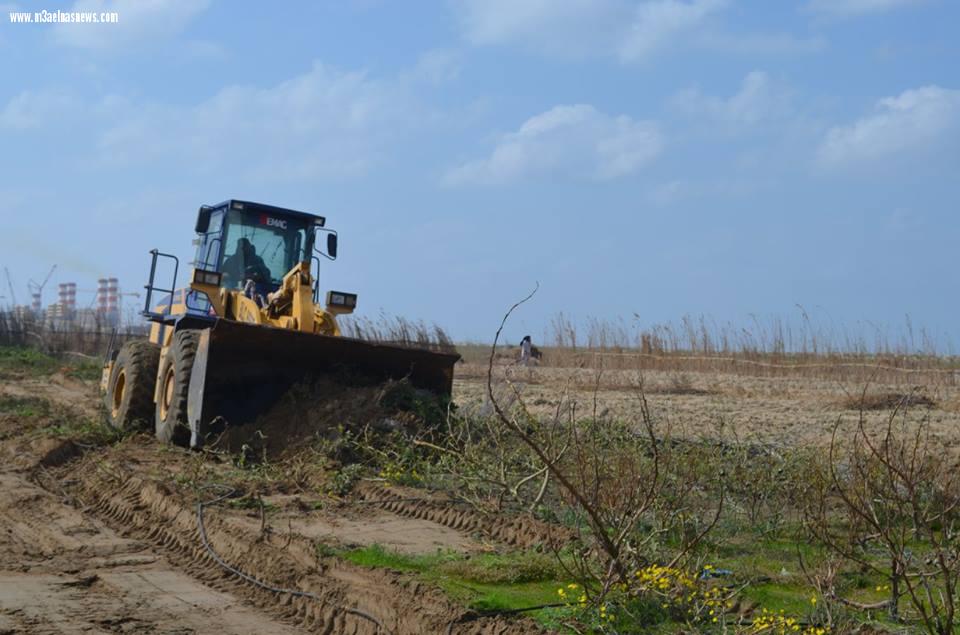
249,241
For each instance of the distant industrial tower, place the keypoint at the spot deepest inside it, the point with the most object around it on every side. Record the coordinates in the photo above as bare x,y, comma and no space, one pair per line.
108,300
65,310
68,298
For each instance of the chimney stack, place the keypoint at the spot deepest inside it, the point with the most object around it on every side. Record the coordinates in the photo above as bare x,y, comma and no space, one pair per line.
67,304
102,296
71,297
113,296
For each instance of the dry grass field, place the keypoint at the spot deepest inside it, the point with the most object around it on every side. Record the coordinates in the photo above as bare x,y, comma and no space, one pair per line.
601,490
786,411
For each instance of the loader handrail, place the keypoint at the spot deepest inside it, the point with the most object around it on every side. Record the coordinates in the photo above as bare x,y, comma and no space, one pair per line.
150,287
316,281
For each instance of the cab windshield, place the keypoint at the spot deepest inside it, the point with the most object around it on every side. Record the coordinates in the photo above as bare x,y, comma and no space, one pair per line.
262,248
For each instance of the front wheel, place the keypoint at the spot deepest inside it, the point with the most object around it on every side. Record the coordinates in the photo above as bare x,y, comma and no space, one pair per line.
172,425
129,395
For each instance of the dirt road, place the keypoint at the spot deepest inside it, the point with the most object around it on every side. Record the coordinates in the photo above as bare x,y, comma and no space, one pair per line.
63,571
107,539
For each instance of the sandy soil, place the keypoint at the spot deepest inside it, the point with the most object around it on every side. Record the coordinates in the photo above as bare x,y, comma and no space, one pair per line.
63,391
352,526
783,411
62,571
106,540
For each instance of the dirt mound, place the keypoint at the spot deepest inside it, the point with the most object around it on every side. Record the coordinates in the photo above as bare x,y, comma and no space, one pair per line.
327,408
55,452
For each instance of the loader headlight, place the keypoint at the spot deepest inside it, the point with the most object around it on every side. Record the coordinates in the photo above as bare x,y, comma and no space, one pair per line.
339,298
201,276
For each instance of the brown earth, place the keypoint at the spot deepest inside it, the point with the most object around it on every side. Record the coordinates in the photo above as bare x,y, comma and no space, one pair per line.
109,539
779,411
57,388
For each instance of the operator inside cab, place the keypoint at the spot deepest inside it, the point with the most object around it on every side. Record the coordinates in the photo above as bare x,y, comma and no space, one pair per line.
253,246
244,264
265,247
247,270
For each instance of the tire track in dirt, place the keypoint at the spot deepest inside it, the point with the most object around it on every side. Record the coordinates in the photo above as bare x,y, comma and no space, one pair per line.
520,531
63,571
117,491
151,511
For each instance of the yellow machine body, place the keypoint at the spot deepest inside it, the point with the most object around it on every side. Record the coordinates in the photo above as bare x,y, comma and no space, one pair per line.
228,348
291,308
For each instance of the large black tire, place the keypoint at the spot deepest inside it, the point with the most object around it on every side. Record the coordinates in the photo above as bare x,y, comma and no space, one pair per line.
129,396
172,425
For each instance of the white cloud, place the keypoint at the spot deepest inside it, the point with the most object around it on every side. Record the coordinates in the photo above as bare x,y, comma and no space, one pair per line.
141,22
850,8
30,110
759,98
571,26
575,141
632,31
658,23
914,121
324,123
437,66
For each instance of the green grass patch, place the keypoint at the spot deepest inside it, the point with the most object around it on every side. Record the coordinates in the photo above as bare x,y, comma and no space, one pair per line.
493,597
16,360
82,429
24,406
752,556
505,569
377,556
793,599
84,370
482,582
19,361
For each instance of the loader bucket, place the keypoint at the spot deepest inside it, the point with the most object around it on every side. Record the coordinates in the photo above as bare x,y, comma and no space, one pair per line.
241,370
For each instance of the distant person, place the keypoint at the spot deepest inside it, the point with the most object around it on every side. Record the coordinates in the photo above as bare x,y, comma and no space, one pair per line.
526,350
244,264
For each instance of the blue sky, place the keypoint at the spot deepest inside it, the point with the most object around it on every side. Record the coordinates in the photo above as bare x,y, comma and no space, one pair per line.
641,160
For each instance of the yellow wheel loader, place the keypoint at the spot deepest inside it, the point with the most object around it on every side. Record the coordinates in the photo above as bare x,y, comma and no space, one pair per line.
249,326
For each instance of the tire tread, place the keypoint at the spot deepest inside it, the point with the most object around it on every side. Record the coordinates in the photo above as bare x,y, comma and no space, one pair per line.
140,359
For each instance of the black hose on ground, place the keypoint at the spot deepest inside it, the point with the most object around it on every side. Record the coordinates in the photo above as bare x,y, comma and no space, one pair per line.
227,493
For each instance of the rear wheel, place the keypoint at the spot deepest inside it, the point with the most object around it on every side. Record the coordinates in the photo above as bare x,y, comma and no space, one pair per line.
172,425
129,396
